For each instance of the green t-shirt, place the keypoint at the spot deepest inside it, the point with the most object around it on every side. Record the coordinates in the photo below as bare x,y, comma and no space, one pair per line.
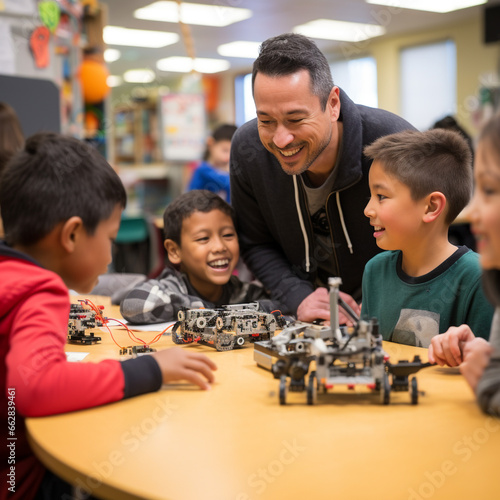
413,310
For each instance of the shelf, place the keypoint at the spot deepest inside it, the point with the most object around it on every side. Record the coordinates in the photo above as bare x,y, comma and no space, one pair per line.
136,134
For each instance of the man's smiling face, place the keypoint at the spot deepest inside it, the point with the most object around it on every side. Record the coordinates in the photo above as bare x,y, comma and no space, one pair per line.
292,124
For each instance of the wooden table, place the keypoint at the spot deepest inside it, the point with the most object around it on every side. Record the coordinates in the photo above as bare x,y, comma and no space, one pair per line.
236,442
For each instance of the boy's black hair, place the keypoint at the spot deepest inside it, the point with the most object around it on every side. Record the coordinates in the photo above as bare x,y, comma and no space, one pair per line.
223,132
198,200
288,53
434,160
54,178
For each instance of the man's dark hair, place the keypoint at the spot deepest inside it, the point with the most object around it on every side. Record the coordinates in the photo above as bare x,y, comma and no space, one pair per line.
434,160
198,200
54,178
286,54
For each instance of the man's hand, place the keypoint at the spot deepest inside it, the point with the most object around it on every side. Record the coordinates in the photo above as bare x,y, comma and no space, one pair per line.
317,306
344,318
476,354
447,348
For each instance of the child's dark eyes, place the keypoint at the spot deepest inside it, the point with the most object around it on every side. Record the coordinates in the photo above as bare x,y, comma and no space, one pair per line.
381,197
487,191
229,235
203,239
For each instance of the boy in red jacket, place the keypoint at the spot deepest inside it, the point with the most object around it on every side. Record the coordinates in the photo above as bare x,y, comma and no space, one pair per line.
61,204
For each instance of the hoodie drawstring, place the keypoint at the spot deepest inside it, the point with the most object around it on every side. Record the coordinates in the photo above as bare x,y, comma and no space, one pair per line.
301,221
303,228
344,228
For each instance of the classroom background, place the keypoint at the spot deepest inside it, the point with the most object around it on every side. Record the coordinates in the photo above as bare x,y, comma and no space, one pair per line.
149,99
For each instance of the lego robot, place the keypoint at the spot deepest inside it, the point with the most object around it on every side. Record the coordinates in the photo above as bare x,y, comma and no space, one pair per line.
341,358
226,327
81,319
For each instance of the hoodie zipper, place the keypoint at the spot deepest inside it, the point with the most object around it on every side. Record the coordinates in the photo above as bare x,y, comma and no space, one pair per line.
337,267
310,233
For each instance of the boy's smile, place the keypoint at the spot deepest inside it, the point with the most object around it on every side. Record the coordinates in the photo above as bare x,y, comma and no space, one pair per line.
208,252
393,213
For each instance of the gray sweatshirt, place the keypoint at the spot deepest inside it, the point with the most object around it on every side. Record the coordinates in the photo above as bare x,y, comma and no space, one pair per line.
488,389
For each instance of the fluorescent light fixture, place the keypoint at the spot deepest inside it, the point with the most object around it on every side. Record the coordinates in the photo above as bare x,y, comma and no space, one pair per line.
114,80
186,64
249,50
139,76
116,35
111,55
339,30
192,13
429,5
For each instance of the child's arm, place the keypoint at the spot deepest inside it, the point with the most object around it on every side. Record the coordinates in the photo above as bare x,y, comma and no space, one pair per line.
178,364
47,384
476,357
446,348
488,387
158,300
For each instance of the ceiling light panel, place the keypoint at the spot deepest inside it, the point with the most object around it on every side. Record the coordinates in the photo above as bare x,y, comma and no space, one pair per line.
116,35
114,80
248,50
139,76
186,65
192,13
111,55
440,6
339,30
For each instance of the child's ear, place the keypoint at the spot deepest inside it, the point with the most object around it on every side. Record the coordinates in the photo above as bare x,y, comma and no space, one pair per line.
436,204
70,233
173,251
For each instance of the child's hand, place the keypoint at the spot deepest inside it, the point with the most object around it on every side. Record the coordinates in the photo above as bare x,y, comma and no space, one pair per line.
446,349
476,354
179,364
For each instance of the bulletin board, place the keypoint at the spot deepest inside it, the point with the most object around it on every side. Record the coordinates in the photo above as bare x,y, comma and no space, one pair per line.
183,124
35,101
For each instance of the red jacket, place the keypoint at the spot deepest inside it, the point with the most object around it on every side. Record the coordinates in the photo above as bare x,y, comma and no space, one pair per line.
35,376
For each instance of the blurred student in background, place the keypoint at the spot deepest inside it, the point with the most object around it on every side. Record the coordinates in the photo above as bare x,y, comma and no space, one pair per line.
11,139
213,172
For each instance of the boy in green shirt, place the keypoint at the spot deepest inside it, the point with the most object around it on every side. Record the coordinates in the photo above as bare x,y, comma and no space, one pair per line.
419,183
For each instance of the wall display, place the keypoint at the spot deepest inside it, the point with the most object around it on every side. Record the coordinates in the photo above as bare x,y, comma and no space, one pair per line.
183,126
39,45
49,14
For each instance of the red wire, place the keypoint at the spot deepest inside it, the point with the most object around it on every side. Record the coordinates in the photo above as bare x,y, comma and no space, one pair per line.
105,321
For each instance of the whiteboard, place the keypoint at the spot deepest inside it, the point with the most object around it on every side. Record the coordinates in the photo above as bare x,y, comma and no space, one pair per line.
183,124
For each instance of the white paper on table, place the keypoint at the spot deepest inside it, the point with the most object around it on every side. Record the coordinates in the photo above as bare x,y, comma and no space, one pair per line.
73,357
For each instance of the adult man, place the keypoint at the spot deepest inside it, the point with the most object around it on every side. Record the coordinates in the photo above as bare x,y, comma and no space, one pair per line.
303,222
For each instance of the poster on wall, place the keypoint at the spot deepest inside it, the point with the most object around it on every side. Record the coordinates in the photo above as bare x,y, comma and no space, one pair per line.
183,126
25,7
7,54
